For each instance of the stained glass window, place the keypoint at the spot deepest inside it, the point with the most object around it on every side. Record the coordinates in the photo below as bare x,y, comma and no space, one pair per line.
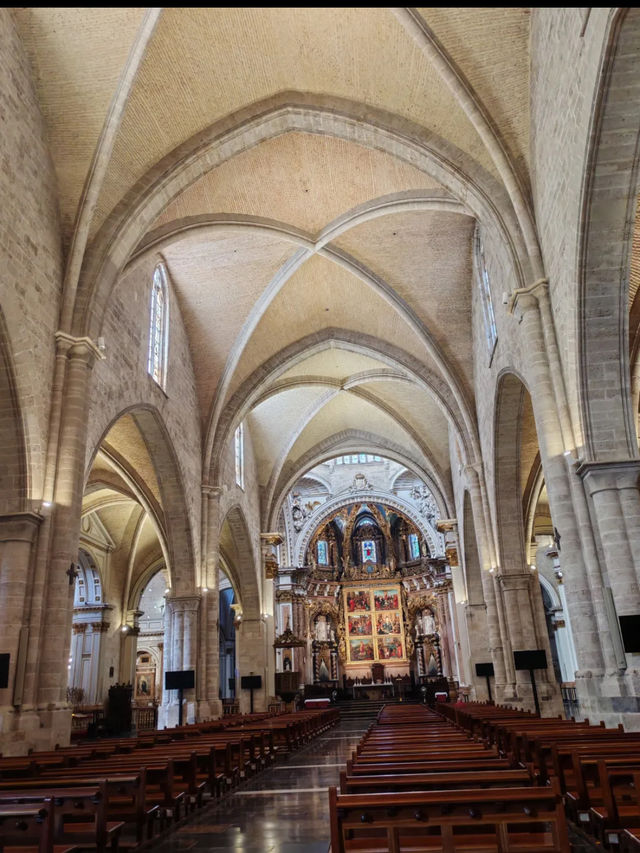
485,294
323,555
158,327
239,446
414,546
368,551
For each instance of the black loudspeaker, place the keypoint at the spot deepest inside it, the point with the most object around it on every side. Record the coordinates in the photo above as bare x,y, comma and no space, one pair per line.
251,682
630,627
530,659
4,671
484,669
181,679
232,684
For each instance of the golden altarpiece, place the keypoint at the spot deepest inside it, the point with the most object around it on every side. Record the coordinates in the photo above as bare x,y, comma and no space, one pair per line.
370,610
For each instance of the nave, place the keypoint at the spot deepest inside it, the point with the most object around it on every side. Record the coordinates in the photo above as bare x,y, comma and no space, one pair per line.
284,809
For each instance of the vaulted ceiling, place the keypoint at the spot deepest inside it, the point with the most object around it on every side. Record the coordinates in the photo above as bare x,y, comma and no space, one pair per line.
322,267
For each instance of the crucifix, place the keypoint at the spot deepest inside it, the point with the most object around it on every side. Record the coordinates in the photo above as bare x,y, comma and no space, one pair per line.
72,573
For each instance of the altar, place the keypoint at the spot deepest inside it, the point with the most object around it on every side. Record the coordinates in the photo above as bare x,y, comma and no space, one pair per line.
380,689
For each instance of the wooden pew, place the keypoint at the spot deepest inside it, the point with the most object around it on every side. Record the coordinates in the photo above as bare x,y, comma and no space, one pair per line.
379,783
80,817
29,829
620,807
506,819
125,798
492,763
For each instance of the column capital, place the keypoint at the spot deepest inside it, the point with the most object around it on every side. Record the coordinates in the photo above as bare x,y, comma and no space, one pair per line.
184,602
473,470
79,348
274,538
529,297
212,491
609,476
515,580
19,526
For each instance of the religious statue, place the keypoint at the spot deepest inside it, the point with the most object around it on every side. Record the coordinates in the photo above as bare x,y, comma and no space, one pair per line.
425,624
322,629
297,513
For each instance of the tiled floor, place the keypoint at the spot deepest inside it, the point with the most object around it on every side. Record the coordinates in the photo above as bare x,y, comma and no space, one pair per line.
282,810
285,809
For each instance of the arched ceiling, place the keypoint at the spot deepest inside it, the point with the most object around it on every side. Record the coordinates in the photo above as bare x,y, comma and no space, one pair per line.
324,280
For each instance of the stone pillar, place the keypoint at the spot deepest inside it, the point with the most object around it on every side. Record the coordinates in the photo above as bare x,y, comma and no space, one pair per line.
97,691
251,642
18,533
612,488
444,630
584,588
496,635
180,653
209,704
52,614
129,647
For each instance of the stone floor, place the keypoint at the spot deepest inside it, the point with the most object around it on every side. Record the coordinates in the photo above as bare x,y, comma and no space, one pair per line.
282,810
286,809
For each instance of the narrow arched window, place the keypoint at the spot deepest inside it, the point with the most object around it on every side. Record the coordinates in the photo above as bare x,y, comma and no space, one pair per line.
239,446
323,553
414,546
159,327
485,295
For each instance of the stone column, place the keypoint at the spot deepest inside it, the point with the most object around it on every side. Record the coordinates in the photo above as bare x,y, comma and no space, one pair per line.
53,620
18,533
444,630
581,568
502,664
251,660
208,684
129,647
180,653
98,635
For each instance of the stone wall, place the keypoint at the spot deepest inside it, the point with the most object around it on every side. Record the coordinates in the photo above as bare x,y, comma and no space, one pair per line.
30,259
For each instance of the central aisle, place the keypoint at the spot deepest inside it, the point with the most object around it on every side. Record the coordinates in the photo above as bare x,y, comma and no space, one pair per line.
284,809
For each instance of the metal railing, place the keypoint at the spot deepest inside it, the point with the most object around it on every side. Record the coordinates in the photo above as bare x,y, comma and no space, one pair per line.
570,701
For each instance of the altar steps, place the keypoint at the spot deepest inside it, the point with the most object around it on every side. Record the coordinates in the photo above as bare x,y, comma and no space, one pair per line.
362,709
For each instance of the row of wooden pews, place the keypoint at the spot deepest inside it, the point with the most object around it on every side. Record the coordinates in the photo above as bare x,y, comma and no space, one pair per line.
123,793
595,769
418,782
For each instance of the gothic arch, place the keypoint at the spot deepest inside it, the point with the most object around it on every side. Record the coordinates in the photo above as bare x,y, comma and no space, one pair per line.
607,218
249,391
241,566
171,518
353,441
321,515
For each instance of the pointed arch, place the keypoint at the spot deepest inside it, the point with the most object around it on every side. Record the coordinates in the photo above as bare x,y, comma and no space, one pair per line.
604,250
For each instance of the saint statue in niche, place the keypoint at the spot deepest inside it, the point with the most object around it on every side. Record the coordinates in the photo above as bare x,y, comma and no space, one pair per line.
322,629
323,672
425,624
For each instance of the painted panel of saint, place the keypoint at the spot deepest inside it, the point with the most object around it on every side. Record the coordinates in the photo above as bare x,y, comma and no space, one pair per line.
360,625
390,648
361,650
388,623
358,599
386,599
